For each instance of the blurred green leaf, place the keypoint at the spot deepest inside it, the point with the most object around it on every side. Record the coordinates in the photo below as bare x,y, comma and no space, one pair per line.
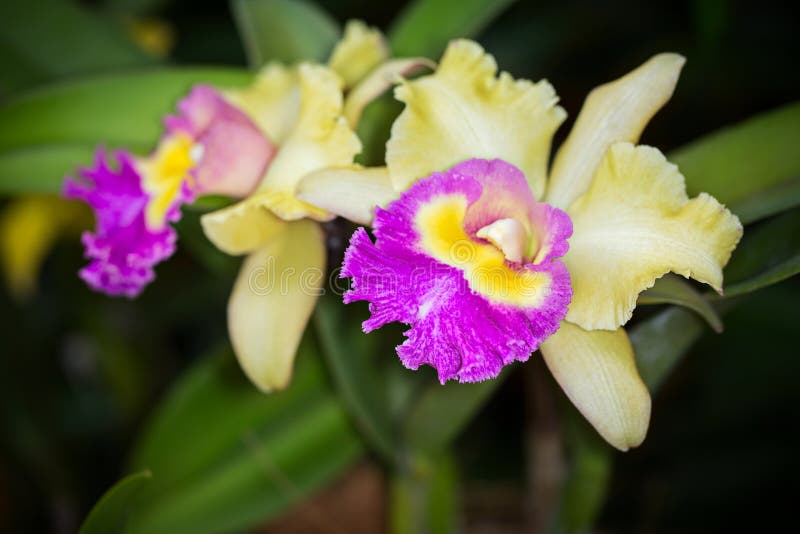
744,159
40,169
225,456
284,30
54,38
48,133
588,478
114,509
767,254
423,496
426,26
659,342
442,411
671,289
775,199
358,382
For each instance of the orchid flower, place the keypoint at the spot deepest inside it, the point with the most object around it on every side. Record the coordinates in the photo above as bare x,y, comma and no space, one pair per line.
487,258
253,144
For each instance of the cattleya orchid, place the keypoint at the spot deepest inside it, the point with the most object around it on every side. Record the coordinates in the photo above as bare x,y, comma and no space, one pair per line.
488,258
254,144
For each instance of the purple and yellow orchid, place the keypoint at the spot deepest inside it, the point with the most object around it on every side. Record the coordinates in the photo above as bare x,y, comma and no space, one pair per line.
488,258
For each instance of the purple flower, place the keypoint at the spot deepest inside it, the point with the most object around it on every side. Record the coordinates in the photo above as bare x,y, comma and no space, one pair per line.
123,250
469,260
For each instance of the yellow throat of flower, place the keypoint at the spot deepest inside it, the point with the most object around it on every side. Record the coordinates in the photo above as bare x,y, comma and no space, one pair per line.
164,172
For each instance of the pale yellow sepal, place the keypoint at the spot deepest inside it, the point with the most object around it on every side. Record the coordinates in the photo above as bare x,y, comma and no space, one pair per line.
29,227
242,228
377,83
320,138
272,101
597,371
464,111
361,49
349,192
272,300
634,225
616,111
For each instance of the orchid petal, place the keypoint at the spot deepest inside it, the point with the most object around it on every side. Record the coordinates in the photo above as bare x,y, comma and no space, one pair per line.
634,225
241,228
361,49
272,101
321,138
272,300
349,192
616,111
597,371
464,111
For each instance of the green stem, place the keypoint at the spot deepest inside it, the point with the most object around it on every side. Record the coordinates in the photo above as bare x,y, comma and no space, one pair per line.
423,496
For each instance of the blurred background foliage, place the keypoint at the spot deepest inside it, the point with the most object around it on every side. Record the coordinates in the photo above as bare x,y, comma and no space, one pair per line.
94,389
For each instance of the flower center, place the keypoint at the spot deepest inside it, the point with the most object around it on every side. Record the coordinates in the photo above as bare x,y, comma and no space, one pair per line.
509,236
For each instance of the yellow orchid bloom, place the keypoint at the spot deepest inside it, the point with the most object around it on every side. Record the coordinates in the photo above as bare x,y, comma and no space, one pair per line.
625,207
301,111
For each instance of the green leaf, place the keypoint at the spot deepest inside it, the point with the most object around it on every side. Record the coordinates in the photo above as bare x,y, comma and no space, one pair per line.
423,496
47,133
357,381
661,341
426,26
113,510
774,199
442,411
744,159
767,254
671,289
284,30
225,456
70,39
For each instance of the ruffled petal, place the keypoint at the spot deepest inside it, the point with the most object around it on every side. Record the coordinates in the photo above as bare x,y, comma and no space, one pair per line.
471,312
349,192
464,111
616,111
123,249
321,138
361,49
634,225
597,371
272,300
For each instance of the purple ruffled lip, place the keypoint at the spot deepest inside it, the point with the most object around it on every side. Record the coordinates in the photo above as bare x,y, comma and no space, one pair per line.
464,334
123,250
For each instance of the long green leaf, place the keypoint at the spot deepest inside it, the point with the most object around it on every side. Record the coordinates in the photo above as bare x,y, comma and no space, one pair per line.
425,26
744,159
442,411
284,30
225,457
671,289
349,359
774,199
40,169
768,254
48,39
114,509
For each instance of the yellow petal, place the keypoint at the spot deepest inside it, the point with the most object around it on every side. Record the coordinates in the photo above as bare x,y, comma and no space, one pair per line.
272,101
464,111
320,138
597,371
361,49
272,300
241,228
378,82
634,225
349,192
616,111
29,227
